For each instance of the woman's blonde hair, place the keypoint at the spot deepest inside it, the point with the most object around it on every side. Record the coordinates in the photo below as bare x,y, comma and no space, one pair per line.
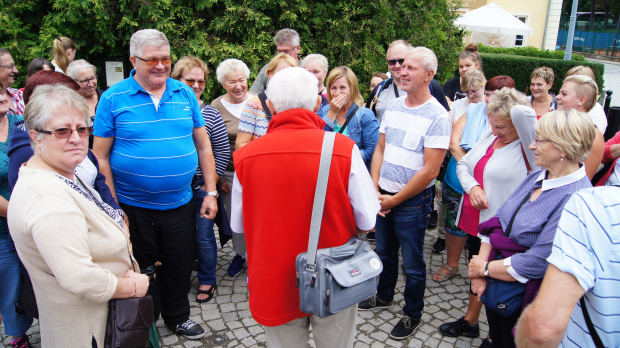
473,78
584,86
186,64
544,73
280,57
504,100
580,70
571,131
349,75
60,45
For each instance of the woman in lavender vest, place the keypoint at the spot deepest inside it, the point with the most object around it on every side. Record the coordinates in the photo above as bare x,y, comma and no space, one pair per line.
563,140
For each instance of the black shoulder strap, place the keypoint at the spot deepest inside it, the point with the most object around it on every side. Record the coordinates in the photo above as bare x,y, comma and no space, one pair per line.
512,219
595,337
263,97
349,117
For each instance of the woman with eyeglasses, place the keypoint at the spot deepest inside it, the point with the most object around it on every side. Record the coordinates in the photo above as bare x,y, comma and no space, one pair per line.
15,324
194,72
74,245
85,75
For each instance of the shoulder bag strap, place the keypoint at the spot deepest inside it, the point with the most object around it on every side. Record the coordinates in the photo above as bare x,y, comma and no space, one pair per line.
319,197
349,117
595,337
263,98
512,219
527,163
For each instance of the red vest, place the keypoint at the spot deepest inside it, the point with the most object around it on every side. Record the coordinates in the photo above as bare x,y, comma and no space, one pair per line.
278,173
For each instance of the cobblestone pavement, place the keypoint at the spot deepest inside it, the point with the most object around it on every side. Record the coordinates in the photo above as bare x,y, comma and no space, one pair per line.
228,321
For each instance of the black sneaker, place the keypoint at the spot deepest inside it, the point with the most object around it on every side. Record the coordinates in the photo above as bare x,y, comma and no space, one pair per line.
440,246
405,328
460,327
372,303
432,220
486,343
370,236
190,329
236,266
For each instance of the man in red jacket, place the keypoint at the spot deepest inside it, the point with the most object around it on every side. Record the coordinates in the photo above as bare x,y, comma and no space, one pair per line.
273,194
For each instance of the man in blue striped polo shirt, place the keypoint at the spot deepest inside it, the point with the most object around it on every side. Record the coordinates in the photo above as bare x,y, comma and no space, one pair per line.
149,139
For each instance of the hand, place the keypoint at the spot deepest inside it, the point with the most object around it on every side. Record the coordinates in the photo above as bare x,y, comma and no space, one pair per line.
209,207
225,187
478,198
338,102
141,280
478,286
476,267
387,203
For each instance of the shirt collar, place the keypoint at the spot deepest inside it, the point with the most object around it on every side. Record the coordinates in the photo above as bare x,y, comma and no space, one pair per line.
548,184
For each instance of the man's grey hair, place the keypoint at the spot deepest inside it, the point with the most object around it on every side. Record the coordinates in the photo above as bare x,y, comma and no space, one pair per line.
429,59
286,36
398,42
78,65
230,66
315,57
47,100
293,88
144,38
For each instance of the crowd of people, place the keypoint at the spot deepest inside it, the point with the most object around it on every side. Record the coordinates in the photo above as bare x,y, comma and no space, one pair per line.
98,186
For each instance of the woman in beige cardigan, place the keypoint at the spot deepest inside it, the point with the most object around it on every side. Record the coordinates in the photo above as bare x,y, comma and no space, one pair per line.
73,245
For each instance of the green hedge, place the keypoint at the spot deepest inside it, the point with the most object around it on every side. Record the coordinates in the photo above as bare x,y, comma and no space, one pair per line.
520,68
529,51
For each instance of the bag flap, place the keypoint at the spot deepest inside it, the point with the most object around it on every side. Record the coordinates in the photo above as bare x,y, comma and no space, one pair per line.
357,269
134,313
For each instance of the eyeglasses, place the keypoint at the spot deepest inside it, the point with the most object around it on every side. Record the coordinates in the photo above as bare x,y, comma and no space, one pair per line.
538,141
392,62
286,51
472,92
63,133
190,82
155,61
85,82
9,66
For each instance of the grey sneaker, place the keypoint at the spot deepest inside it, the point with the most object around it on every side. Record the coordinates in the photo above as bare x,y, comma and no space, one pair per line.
190,329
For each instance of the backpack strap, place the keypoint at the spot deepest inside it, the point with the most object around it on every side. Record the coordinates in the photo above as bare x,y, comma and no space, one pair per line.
595,337
263,98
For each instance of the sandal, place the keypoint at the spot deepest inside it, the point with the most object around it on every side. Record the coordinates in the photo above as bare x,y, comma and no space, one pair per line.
440,277
210,293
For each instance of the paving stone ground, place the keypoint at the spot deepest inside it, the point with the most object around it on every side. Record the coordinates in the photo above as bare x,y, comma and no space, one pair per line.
228,321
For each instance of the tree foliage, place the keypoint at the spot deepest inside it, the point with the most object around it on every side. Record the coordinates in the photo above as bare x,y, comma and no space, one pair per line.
350,32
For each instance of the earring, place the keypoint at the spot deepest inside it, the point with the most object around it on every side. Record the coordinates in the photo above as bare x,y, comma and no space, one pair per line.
562,159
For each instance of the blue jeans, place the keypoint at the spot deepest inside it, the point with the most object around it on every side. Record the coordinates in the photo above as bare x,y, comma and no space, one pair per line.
206,246
404,227
15,324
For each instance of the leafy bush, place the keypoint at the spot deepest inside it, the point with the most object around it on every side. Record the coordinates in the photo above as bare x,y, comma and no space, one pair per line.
520,68
351,32
529,51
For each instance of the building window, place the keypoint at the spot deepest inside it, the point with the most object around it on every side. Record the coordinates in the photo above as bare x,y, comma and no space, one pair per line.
520,39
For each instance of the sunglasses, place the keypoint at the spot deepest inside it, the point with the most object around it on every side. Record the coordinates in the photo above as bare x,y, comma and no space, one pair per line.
392,62
63,133
190,82
155,61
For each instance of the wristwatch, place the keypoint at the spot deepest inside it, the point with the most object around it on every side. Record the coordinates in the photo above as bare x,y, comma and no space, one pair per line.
486,269
213,193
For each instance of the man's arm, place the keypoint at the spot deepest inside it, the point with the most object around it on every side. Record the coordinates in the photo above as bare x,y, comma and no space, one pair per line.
377,161
207,167
102,148
544,322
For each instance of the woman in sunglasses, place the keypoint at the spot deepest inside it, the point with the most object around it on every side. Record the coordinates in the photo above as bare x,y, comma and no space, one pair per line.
73,244
194,72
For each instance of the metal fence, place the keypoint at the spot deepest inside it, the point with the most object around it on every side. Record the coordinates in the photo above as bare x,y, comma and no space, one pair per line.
600,36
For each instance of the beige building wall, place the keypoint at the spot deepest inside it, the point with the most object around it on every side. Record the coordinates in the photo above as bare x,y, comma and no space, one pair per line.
535,13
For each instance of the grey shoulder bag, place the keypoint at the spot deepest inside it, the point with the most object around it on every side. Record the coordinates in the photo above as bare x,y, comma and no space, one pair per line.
333,279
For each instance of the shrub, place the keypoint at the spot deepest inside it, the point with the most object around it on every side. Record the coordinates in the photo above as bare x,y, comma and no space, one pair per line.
529,51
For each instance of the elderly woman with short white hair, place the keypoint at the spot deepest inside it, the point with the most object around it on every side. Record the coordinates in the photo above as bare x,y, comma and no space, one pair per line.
233,74
317,65
85,74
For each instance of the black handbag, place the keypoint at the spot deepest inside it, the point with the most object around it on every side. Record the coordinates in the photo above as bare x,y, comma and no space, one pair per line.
129,322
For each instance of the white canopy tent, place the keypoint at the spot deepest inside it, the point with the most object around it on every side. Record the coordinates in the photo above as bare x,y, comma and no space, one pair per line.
493,19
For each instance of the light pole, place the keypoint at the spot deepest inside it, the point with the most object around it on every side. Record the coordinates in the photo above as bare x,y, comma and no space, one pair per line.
571,31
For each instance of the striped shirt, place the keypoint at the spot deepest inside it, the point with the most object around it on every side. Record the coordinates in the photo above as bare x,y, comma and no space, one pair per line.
408,131
219,143
153,157
587,246
253,118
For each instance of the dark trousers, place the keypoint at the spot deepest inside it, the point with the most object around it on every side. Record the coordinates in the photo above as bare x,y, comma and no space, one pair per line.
168,236
500,329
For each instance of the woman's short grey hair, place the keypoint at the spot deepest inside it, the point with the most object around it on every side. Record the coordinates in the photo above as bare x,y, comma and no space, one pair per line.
504,100
293,88
429,59
316,57
78,65
230,66
286,36
144,38
47,100
571,131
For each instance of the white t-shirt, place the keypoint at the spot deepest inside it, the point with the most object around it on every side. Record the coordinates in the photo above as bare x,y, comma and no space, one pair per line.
598,117
234,109
459,108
